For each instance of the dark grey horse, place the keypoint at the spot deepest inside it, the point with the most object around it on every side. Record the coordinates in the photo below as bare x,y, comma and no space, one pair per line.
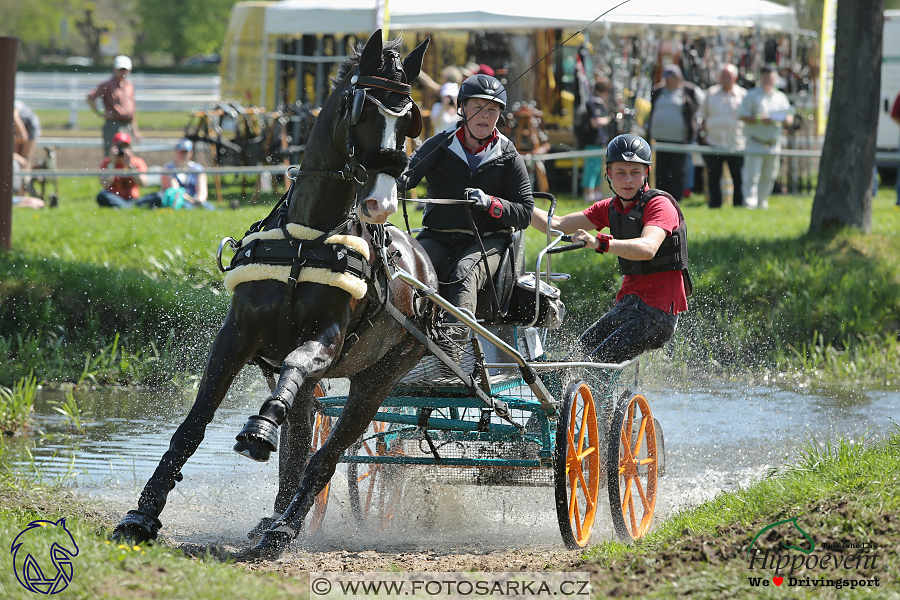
360,129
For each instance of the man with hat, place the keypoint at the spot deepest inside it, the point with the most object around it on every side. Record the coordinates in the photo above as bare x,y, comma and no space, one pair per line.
649,237
472,161
673,119
120,191
117,94
765,110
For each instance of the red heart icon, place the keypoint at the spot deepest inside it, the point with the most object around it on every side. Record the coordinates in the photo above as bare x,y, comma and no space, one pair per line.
777,580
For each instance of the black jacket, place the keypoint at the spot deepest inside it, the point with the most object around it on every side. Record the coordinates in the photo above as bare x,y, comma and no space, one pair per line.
502,174
688,109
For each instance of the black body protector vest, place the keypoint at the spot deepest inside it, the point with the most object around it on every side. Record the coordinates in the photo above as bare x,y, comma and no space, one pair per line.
672,254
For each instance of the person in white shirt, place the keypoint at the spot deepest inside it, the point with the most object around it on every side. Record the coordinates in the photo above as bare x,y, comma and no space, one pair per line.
723,129
764,111
443,113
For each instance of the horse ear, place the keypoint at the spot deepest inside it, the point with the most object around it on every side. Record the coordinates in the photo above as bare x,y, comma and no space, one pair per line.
412,64
370,59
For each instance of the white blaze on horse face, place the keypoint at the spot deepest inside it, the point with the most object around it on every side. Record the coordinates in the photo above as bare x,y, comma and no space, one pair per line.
381,201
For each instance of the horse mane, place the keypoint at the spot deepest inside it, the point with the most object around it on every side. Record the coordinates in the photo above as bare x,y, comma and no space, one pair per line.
352,61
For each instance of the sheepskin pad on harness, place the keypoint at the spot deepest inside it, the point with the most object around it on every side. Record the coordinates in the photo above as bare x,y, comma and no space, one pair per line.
258,272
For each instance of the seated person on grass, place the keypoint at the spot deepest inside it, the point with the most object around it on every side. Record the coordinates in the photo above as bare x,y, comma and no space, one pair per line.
121,191
182,190
649,236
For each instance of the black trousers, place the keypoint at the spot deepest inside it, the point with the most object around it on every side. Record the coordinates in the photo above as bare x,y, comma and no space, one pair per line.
457,259
628,330
670,173
714,165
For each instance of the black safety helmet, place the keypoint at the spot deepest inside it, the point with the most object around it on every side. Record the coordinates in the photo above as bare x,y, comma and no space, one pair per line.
482,86
629,148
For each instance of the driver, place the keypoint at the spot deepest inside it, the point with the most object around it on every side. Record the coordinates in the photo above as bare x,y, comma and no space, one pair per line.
649,236
471,161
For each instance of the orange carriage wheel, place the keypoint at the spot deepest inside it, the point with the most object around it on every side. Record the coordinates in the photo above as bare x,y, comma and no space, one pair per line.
375,488
321,431
632,467
577,466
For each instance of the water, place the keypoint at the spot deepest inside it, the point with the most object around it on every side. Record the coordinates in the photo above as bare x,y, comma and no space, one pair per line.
718,436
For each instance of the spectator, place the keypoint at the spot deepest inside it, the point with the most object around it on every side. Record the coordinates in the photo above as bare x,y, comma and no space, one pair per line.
120,191
764,111
722,128
443,113
117,94
895,115
673,119
26,147
593,134
182,190
21,199
649,237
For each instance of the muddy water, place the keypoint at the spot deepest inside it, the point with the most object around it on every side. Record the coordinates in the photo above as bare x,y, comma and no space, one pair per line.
718,436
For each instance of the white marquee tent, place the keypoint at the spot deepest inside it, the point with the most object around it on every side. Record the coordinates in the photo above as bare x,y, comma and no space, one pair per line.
356,16
298,17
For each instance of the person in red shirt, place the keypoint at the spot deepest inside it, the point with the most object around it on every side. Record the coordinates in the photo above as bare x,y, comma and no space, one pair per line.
117,95
649,236
120,191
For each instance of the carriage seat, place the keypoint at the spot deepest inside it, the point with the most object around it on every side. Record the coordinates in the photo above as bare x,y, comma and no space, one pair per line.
512,264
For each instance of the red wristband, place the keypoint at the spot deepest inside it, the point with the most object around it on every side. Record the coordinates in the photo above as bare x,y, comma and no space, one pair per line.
603,243
496,208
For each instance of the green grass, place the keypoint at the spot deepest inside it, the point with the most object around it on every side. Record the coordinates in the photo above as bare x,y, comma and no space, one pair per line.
841,491
55,122
103,569
16,405
133,297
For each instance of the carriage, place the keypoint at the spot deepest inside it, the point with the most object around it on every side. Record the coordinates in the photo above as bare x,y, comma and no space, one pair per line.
592,430
322,289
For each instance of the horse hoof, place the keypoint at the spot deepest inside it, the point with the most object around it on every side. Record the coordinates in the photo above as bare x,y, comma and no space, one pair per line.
255,534
272,544
258,439
136,527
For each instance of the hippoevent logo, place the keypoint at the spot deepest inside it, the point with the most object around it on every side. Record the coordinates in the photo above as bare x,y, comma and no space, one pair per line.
42,556
784,547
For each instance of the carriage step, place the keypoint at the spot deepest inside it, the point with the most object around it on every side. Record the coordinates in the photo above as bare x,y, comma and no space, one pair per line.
258,439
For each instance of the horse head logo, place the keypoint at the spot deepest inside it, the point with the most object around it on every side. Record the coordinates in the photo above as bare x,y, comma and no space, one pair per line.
787,534
43,540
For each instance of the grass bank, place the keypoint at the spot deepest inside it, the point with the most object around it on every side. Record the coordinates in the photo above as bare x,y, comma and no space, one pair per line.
845,497
132,297
107,570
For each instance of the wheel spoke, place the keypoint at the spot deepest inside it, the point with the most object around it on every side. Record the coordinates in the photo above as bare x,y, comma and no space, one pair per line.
633,520
640,437
627,496
640,489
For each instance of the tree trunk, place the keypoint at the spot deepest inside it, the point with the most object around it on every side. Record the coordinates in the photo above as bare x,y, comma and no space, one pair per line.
844,191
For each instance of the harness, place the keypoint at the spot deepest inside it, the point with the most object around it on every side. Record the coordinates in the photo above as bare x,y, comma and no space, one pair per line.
672,254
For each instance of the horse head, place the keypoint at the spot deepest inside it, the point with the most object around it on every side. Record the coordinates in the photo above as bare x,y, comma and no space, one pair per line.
374,113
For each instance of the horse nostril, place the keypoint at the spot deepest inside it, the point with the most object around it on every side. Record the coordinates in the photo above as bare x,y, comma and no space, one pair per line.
371,206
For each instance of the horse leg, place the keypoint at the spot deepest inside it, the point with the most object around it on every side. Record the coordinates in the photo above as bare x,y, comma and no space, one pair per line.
259,437
296,442
368,389
229,353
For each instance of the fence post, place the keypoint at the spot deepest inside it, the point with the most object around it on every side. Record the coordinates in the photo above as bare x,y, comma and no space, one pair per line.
9,47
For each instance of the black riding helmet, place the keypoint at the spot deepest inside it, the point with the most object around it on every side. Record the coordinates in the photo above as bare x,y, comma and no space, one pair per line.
629,148
482,86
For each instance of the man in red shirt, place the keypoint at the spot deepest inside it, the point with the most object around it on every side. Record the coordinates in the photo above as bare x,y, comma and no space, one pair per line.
117,94
649,236
120,191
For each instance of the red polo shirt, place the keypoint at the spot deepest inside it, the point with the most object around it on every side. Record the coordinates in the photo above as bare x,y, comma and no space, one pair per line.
664,290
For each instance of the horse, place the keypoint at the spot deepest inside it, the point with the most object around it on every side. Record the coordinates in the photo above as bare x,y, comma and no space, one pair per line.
300,329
